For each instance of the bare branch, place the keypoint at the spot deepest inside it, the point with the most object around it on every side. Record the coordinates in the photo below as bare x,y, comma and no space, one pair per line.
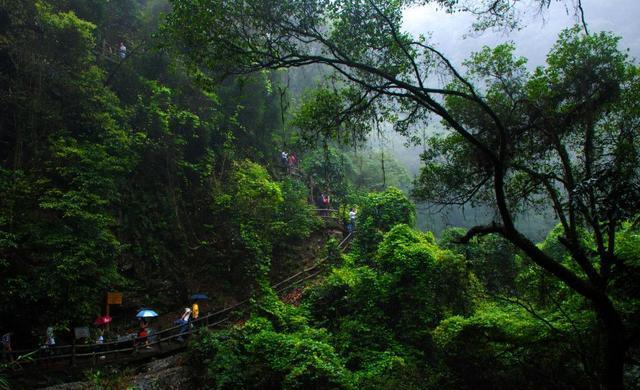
582,18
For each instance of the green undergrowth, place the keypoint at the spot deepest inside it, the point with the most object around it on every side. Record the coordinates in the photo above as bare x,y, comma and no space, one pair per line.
413,313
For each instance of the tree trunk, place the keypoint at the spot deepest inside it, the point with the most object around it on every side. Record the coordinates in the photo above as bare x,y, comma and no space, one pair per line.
612,362
612,377
615,348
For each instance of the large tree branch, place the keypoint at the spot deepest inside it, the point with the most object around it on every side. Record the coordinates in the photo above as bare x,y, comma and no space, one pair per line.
538,256
545,179
273,60
480,231
401,44
474,95
582,260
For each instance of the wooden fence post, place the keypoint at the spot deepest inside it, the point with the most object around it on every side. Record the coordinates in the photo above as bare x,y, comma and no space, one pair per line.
73,353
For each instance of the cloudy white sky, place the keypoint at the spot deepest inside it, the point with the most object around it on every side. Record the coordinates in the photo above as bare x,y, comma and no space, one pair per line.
535,40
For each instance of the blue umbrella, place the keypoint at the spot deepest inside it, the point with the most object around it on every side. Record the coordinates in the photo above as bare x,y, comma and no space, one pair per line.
146,313
199,297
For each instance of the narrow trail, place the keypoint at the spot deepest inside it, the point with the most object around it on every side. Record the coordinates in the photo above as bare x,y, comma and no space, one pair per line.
75,358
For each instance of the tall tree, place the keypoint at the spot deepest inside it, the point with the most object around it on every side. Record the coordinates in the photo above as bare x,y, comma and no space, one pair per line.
63,156
509,133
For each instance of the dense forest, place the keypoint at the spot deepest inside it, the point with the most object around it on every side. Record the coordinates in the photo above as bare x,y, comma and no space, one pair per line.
140,152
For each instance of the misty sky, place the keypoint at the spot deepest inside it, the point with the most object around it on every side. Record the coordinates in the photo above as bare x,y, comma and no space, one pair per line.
540,33
533,42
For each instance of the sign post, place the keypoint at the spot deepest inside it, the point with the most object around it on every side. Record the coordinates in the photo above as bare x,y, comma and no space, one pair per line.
113,298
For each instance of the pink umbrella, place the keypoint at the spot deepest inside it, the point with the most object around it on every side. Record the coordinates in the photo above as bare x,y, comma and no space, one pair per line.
102,320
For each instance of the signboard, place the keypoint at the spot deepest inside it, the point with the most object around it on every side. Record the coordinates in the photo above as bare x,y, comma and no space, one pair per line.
114,298
81,332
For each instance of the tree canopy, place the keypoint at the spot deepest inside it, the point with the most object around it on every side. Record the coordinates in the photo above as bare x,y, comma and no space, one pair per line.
140,151
517,140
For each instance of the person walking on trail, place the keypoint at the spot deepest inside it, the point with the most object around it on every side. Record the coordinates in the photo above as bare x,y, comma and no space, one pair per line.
7,352
122,51
143,334
292,162
351,227
184,323
100,341
284,158
195,311
49,342
326,201
100,337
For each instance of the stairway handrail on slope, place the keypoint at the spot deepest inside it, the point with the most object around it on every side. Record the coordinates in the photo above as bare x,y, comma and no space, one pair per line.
101,353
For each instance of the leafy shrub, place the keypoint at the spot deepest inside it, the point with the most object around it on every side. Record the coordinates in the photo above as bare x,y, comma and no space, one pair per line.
391,305
380,212
492,258
275,349
505,347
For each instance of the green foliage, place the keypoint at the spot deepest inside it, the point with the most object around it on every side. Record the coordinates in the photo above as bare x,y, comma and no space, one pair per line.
319,117
329,169
487,350
297,216
60,189
128,174
250,206
379,212
349,305
275,348
424,276
381,315
625,287
492,258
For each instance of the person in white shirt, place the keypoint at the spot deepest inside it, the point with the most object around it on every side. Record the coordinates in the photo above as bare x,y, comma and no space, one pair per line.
351,227
51,340
184,323
122,50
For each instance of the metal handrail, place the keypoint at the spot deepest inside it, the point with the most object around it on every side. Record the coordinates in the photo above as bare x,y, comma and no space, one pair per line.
103,349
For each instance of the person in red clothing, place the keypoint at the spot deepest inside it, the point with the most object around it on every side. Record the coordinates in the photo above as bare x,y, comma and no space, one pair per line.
143,333
326,204
293,162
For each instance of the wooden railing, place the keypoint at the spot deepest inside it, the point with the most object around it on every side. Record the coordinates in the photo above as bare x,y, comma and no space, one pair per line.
163,341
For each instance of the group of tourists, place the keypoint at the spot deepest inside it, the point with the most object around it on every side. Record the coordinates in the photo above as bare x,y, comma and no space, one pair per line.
185,322
45,348
141,337
325,208
289,161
